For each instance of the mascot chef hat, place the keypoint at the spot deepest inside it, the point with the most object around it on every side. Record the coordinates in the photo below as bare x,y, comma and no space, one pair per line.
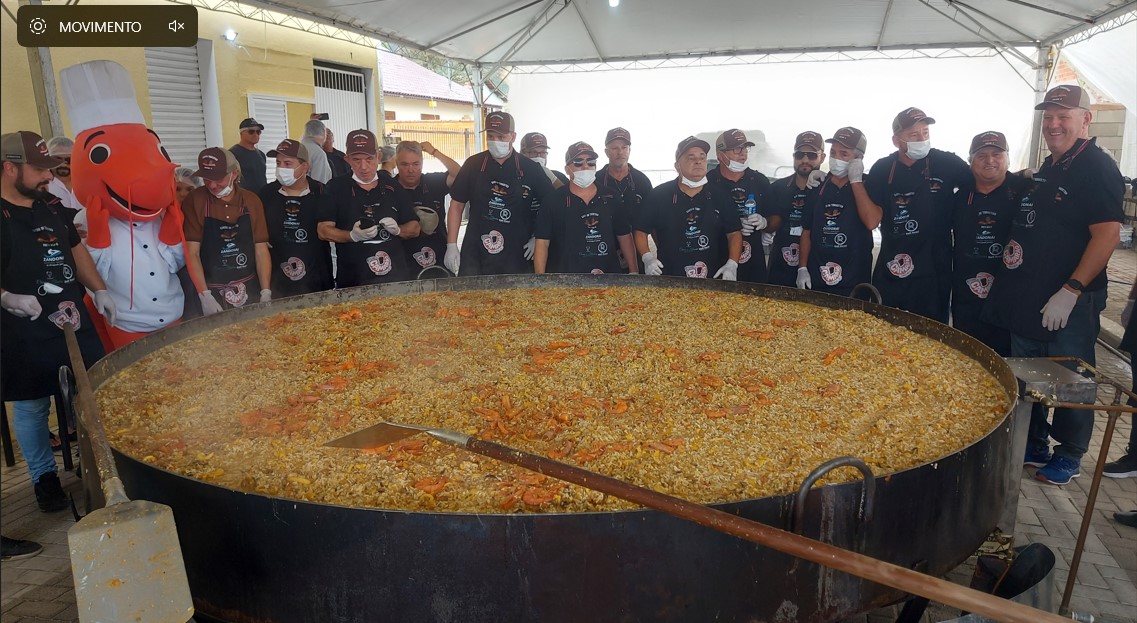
98,93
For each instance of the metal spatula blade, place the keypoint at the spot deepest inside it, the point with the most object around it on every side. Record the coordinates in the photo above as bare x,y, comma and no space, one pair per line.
380,434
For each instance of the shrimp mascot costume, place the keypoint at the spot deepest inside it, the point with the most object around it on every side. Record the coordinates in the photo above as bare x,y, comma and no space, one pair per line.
125,180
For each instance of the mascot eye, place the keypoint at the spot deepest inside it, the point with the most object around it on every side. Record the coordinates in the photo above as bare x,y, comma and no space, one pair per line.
99,153
165,154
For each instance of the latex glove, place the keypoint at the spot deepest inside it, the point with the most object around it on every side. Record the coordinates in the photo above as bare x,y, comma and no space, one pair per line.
390,225
359,235
752,222
728,272
856,170
1057,310
266,295
803,280
815,179
652,266
104,304
453,258
21,305
767,239
209,305
1127,312
530,247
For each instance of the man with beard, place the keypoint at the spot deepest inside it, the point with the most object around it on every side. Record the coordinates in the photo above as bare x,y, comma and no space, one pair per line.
690,221
301,262
60,185
621,178
749,190
44,268
426,194
790,196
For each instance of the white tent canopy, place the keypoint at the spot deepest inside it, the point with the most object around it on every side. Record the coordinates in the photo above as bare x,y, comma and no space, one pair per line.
541,32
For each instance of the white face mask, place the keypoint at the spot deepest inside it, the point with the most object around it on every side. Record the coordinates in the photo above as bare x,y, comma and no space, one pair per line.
918,150
691,184
356,178
737,167
498,149
286,177
839,168
539,160
224,192
584,178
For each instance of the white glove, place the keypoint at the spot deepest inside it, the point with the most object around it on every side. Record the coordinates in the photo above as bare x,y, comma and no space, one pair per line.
752,222
803,280
266,295
1127,312
452,258
767,239
1057,310
21,305
728,272
209,305
652,266
856,170
390,225
815,179
530,247
359,235
104,304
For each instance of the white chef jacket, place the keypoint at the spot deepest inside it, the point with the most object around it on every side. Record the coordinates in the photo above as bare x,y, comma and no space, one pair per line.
66,197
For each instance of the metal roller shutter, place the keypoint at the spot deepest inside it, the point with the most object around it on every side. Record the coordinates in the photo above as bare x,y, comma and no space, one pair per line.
272,113
174,79
341,94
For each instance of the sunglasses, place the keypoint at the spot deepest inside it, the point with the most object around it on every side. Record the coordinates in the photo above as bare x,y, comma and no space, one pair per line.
580,162
805,155
253,131
65,159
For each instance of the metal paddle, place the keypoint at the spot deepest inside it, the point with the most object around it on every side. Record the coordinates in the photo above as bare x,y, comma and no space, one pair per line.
907,580
125,557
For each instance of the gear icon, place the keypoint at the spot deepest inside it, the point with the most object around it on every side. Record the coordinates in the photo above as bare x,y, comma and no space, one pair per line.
37,26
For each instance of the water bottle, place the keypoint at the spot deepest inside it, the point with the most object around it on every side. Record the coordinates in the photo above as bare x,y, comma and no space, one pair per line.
751,205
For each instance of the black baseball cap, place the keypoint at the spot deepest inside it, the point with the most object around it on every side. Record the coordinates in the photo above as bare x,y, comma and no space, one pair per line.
28,148
251,123
989,138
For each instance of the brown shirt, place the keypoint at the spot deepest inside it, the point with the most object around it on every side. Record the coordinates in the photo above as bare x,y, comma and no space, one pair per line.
228,210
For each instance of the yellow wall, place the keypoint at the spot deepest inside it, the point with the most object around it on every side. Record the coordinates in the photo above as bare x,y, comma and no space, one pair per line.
409,109
265,59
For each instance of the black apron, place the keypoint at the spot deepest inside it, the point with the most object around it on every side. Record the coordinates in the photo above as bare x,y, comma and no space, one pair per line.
785,250
586,241
982,225
301,262
427,250
31,351
500,224
749,188
693,247
631,199
840,256
913,268
1047,242
228,257
379,260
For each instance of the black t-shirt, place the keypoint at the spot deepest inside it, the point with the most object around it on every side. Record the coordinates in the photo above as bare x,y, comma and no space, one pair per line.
301,262
337,160
254,168
430,194
689,231
840,255
634,188
752,184
789,202
583,237
981,228
381,259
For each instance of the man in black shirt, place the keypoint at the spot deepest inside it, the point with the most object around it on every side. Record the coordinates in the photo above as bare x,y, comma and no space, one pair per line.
426,194
791,194
337,160
252,160
622,178
301,262
690,221
1052,287
750,192
535,147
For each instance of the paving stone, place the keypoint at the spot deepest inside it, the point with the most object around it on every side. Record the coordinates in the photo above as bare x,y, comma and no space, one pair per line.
1124,590
41,609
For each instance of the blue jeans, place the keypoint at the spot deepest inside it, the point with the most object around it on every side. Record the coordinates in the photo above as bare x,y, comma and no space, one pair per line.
32,432
1072,428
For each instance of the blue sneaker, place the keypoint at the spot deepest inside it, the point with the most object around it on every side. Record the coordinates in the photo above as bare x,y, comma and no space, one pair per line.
1037,456
1059,471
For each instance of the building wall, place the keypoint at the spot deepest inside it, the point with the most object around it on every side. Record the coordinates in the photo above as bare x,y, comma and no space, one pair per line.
1109,126
265,59
409,109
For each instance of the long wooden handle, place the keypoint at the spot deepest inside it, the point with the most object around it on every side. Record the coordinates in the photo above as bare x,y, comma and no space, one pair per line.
88,412
830,556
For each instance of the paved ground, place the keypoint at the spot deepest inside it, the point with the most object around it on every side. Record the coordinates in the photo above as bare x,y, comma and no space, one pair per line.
40,588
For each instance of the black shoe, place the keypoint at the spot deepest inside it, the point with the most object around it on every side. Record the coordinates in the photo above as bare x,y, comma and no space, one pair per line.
15,549
50,495
1126,519
1125,467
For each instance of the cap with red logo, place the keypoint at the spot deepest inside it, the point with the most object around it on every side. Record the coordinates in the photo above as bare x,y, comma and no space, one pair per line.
990,138
534,140
361,142
500,122
214,163
688,143
908,118
28,148
809,139
1066,96
618,134
291,148
577,150
849,137
732,139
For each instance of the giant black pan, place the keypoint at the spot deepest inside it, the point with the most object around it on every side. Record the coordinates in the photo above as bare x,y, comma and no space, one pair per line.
253,558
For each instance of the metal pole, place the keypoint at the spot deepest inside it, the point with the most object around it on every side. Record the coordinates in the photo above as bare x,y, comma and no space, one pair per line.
44,89
1042,75
479,106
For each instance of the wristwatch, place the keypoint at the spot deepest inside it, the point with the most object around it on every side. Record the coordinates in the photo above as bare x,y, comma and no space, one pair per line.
1075,285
